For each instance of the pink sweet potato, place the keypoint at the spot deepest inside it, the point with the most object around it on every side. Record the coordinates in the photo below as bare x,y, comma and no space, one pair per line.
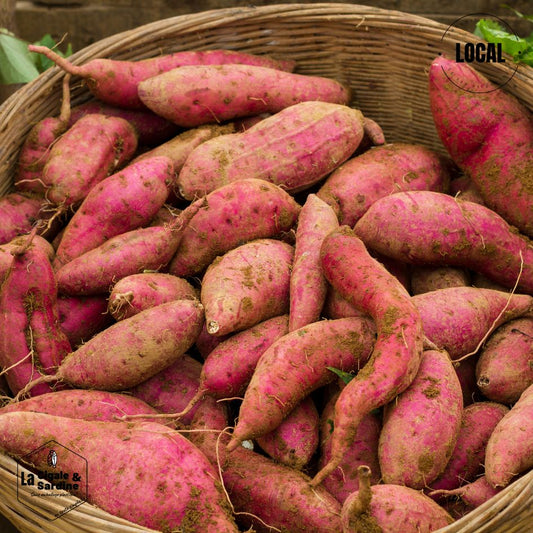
295,440
308,286
473,494
122,202
151,129
229,366
202,94
431,278
18,214
37,145
82,317
171,390
297,364
505,365
138,292
32,343
364,451
390,508
359,182
403,226
509,449
247,285
463,187
143,345
84,404
489,135
235,213
92,149
457,319
116,81
397,353
293,148
151,248
421,426
179,484
466,462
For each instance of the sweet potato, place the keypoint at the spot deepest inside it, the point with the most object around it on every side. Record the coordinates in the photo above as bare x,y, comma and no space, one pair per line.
92,149
151,248
466,462
431,278
229,366
84,404
421,426
31,341
235,213
151,129
308,286
295,441
18,214
171,390
138,292
359,182
82,317
509,451
178,483
457,319
143,345
473,494
403,226
122,202
390,508
463,187
492,142
246,285
37,144
201,94
294,148
116,81
364,451
297,364
505,365
397,353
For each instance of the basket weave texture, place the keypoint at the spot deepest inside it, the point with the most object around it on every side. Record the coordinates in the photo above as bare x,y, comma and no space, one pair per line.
382,55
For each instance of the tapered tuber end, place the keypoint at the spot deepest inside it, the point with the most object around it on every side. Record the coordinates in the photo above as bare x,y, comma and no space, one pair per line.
364,494
61,62
212,327
328,469
234,443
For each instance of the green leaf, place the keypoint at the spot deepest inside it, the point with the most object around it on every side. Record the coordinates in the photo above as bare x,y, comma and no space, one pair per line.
493,32
345,376
16,63
41,61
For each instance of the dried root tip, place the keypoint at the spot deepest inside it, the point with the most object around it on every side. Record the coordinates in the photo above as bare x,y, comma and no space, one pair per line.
118,303
212,327
361,504
48,378
325,472
23,248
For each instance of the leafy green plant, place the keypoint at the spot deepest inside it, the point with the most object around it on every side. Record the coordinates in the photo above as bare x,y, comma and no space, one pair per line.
17,64
520,48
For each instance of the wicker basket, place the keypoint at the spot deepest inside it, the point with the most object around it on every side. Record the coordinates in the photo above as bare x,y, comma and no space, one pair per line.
382,55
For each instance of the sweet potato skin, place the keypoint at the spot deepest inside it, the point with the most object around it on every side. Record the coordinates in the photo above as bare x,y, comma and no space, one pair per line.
505,364
92,149
18,213
189,498
121,202
426,279
509,451
398,349
143,345
308,286
468,235
354,186
492,144
247,285
203,94
421,426
319,136
135,293
235,213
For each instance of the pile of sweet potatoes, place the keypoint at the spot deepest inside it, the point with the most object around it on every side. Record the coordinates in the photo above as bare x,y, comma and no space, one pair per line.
248,311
